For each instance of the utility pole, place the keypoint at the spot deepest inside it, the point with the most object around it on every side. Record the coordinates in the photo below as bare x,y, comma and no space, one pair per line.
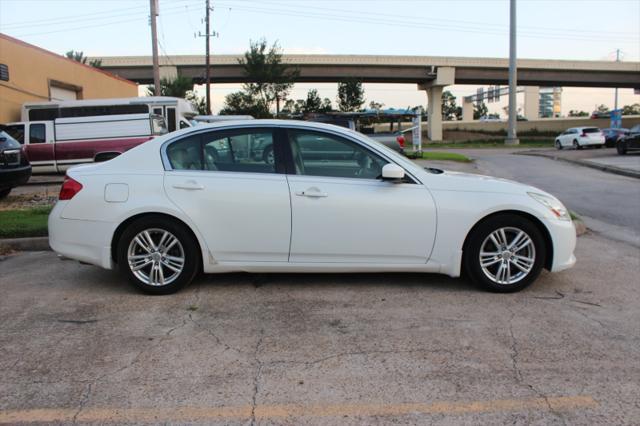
208,77
512,137
615,103
154,46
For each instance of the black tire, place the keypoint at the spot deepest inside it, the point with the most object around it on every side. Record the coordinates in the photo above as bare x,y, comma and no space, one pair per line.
267,155
576,144
4,193
558,145
481,233
621,147
187,243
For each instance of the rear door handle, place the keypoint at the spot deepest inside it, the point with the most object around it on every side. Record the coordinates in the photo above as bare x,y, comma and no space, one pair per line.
190,185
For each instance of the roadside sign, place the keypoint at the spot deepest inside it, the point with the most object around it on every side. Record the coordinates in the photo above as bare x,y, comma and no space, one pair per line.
416,132
616,119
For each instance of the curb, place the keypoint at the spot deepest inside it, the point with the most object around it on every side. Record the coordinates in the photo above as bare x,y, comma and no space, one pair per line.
25,244
581,228
601,167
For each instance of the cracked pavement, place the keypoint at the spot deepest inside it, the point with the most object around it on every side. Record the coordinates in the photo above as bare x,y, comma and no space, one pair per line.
321,349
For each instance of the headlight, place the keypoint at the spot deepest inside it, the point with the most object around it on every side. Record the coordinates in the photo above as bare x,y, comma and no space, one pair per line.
553,204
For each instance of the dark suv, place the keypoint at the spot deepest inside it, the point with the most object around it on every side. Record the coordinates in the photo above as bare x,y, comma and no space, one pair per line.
630,142
14,167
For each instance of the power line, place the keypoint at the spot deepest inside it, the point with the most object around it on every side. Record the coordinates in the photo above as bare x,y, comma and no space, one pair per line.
480,24
404,23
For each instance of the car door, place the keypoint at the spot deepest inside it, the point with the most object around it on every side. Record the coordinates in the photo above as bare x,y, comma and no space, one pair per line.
238,203
342,212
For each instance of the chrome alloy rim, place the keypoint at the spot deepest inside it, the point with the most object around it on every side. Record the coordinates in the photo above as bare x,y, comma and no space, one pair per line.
156,257
507,255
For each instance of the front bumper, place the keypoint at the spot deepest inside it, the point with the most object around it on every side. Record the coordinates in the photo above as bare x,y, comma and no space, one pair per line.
563,237
10,178
84,240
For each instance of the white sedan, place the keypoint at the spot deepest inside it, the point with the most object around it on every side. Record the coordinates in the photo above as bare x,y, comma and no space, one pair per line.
580,137
332,201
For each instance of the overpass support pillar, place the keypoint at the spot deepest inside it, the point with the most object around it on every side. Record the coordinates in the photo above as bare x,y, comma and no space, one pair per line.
467,110
531,102
445,76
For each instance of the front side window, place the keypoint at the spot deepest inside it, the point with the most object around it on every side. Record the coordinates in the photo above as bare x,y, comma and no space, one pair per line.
249,151
322,154
37,133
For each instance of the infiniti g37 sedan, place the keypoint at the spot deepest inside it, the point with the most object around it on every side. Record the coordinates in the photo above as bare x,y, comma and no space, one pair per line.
199,200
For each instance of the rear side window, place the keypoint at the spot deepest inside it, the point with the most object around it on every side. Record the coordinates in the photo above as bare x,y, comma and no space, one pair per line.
247,151
591,130
185,154
37,133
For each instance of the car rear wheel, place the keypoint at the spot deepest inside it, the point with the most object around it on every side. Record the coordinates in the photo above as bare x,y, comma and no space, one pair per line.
558,145
158,255
621,147
504,253
576,144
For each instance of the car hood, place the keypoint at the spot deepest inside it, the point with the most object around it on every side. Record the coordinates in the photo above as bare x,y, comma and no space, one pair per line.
468,182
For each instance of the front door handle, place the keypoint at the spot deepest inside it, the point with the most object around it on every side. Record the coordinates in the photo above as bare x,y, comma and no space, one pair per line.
312,193
190,185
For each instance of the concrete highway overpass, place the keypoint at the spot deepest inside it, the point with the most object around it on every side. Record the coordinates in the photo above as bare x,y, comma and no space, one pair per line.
430,73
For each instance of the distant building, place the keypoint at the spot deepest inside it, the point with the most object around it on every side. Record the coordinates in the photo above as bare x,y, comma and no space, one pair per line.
550,102
29,73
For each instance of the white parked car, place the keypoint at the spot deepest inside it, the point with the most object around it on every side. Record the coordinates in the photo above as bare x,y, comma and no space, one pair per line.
332,201
580,137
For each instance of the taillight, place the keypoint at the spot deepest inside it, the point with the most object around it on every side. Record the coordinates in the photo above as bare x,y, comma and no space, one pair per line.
400,140
70,188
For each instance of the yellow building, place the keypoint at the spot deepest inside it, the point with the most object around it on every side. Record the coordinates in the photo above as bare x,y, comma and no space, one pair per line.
30,74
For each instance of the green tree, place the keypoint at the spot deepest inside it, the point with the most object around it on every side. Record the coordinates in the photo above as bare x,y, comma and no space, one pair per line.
177,87
78,56
313,102
633,109
326,105
602,108
479,110
243,103
350,95
376,105
576,113
269,79
450,111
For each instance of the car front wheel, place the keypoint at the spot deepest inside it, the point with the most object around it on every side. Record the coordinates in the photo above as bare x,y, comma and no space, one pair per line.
558,145
504,253
158,255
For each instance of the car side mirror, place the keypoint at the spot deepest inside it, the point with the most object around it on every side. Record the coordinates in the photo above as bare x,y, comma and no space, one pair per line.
392,172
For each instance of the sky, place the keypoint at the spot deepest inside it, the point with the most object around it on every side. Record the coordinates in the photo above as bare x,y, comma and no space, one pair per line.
547,29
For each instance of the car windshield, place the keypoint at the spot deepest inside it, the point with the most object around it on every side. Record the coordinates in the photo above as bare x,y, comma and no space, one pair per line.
7,142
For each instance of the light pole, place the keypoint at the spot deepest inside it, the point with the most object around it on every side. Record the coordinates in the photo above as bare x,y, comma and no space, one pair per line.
512,137
154,47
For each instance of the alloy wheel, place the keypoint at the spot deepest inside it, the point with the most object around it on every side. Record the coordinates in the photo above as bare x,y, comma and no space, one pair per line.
507,255
156,257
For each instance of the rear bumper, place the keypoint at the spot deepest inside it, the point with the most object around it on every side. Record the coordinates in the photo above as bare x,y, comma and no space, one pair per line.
84,240
10,178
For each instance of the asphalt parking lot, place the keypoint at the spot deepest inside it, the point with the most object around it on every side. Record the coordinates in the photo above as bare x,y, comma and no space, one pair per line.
80,345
